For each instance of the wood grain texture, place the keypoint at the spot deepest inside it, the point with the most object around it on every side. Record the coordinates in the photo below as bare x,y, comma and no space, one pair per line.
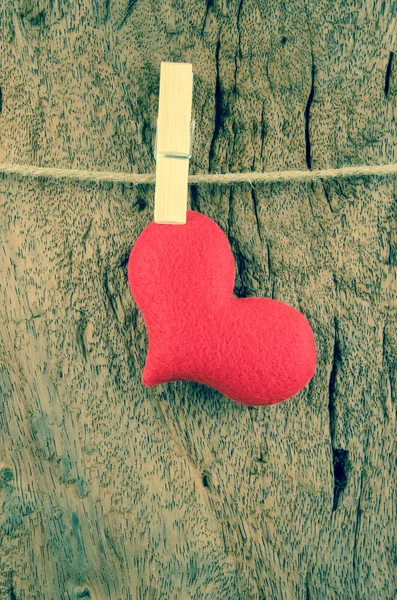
109,489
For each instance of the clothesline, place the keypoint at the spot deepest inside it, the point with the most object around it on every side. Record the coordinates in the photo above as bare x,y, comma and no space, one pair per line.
214,178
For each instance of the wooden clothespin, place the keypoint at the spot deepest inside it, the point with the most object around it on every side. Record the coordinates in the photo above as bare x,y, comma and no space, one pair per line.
174,142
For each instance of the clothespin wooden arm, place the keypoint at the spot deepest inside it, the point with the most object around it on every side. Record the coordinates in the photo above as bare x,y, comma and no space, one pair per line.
174,141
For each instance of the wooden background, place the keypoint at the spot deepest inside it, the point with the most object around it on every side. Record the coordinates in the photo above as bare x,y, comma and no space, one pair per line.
110,490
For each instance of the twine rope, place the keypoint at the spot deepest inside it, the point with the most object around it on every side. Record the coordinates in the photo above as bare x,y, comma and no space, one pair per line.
221,178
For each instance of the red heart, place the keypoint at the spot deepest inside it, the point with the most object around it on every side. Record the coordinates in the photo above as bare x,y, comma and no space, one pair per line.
255,351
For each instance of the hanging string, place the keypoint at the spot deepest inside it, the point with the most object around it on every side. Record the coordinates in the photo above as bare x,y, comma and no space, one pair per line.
214,178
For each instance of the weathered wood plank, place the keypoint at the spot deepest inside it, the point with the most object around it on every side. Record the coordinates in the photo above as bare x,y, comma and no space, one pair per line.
112,490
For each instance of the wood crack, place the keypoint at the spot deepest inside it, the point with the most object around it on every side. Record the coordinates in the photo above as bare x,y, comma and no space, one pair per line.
339,455
218,105
128,12
108,294
307,587
388,73
340,462
238,53
268,260
11,590
307,118
331,385
81,327
253,194
210,4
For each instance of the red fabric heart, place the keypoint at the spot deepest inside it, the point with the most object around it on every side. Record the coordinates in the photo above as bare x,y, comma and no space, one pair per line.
256,351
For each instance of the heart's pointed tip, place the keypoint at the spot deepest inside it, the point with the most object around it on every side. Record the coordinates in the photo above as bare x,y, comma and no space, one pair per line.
149,381
147,378
153,376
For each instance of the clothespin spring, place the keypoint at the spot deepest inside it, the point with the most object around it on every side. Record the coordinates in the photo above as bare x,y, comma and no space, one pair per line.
175,154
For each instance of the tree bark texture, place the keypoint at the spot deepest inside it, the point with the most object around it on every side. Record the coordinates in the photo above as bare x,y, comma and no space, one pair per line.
108,489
